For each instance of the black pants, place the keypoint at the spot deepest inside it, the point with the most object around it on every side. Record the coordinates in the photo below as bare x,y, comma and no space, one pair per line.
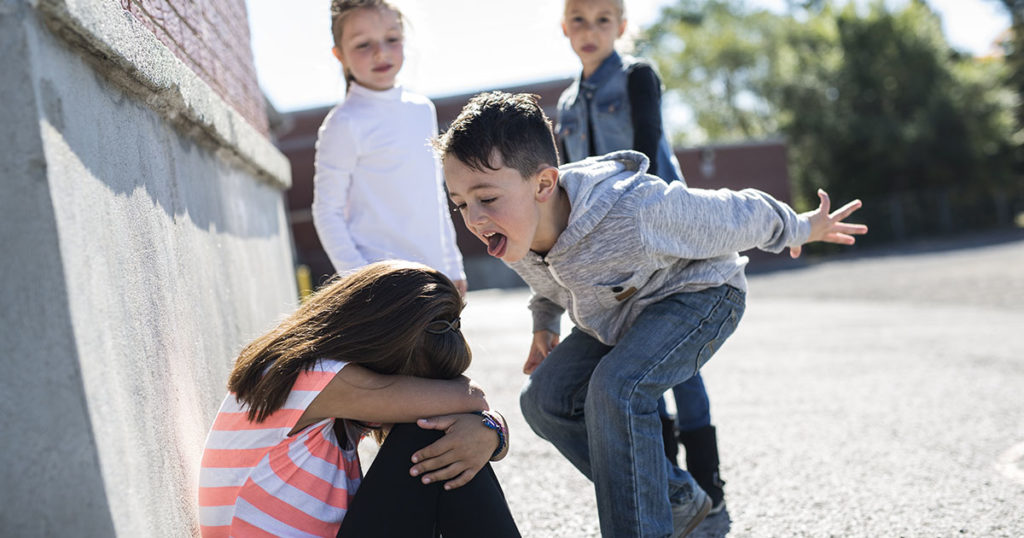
390,503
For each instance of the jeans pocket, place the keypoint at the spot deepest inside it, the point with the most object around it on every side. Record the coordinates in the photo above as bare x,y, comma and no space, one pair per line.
722,323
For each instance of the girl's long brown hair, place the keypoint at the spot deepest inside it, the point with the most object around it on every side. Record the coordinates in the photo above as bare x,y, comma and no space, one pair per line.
377,317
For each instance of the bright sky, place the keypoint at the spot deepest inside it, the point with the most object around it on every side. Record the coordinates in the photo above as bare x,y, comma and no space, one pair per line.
456,46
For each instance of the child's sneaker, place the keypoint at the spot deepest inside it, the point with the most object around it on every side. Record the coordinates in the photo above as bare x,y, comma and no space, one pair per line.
716,494
686,516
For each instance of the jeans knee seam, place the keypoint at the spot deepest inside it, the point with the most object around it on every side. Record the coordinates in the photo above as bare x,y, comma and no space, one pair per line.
631,433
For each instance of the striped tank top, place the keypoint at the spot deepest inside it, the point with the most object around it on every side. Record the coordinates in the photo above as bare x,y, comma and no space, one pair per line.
255,480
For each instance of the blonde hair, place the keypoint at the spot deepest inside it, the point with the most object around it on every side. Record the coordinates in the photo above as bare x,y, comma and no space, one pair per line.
620,5
340,11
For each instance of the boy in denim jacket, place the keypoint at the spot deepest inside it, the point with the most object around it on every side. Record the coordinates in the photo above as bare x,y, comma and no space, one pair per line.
648,272
615,104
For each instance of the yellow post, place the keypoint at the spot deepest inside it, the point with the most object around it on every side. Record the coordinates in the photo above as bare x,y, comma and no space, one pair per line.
305,281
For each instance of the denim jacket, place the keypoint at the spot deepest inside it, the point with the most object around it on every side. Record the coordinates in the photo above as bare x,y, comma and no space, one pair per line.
603,99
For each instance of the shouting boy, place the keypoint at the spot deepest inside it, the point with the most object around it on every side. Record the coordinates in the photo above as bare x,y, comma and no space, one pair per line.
649,274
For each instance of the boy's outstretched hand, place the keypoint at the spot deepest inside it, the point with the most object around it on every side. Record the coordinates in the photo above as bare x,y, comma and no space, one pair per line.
829,227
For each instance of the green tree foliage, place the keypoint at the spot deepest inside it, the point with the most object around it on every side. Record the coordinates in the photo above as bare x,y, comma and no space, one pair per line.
1013,47
713,57
872,100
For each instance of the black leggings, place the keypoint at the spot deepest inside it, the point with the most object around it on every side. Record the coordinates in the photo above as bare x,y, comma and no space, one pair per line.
390,502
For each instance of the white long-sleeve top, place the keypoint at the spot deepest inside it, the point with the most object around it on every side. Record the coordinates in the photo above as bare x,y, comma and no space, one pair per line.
379,192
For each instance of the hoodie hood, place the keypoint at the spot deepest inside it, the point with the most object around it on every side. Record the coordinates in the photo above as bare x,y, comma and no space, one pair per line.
594,186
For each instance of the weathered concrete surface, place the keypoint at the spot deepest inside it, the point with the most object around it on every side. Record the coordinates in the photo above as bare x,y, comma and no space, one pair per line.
871,395
136,257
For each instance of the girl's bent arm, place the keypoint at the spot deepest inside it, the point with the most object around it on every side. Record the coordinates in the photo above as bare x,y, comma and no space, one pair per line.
360,394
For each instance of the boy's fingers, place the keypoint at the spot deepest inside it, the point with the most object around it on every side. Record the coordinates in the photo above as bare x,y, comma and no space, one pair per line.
855,229
794,252
826,203
532,362
841,239
846,210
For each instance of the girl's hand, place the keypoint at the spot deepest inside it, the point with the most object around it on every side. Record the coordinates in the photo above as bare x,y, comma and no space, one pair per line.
466,447
543,343
830,227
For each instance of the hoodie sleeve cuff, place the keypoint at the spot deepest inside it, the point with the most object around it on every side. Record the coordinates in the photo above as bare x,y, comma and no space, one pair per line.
550,325
803,231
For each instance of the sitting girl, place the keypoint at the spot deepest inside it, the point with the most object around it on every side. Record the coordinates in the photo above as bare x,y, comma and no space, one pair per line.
379,348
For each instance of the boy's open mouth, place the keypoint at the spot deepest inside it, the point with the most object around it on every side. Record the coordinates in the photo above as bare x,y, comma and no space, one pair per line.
496,244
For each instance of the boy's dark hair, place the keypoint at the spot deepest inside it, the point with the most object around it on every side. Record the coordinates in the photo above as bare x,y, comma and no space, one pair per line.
513,124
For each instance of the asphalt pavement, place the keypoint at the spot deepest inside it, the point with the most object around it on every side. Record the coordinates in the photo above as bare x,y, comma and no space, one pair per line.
875,394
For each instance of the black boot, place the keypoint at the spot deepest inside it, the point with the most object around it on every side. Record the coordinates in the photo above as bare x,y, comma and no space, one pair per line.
668,435
702,462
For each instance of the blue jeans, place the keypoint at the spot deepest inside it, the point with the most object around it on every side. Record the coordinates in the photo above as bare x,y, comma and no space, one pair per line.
693,411
598,405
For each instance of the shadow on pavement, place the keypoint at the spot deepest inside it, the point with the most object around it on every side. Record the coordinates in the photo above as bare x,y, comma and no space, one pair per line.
716,526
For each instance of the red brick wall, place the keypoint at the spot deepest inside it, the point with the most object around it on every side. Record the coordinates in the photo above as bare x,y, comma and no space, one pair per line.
761,165
212,38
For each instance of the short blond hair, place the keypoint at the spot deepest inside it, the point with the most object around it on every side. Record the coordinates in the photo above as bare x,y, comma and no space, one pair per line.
619,5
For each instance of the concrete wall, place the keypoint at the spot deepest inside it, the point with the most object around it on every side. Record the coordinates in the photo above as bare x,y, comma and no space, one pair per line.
143,241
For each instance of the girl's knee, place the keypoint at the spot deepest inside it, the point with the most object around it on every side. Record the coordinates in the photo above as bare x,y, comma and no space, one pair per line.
411,436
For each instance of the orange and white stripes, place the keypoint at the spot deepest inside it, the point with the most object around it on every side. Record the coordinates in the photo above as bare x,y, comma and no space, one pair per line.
256,481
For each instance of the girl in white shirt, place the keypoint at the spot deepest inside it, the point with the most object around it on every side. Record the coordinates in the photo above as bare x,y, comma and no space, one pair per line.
378,188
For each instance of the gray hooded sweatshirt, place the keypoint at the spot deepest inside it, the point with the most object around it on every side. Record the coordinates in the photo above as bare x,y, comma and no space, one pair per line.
633,240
